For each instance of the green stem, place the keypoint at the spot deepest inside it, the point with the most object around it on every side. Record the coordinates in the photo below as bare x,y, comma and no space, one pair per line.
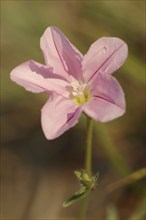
88,156
88,164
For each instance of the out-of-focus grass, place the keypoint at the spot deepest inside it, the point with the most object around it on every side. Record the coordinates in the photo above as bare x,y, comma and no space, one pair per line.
119,143
137,175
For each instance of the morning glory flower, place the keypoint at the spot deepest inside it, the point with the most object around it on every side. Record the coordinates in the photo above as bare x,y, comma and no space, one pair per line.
75,83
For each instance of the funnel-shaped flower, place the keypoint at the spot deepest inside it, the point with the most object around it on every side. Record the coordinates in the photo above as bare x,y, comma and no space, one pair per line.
75,83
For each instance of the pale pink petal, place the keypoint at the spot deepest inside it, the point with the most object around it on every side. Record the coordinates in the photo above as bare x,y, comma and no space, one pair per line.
108,99
34,77
60,53
58,115
106,55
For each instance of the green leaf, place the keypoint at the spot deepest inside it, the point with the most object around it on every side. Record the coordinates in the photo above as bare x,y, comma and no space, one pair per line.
77,196
88,183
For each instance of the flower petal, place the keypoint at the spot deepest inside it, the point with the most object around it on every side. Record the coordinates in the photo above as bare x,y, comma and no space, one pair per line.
108,99
60,53
58,115
34,77
106,55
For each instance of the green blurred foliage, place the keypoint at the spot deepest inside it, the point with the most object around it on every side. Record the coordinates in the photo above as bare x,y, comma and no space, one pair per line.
119,146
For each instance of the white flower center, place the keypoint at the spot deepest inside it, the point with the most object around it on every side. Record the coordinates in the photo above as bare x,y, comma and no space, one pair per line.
81,93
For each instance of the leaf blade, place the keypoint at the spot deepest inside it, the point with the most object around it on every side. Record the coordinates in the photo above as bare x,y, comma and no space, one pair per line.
77,196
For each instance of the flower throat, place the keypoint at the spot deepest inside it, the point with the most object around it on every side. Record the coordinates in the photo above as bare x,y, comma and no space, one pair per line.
81,93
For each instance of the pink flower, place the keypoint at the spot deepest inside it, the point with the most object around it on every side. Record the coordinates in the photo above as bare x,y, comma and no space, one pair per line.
75,83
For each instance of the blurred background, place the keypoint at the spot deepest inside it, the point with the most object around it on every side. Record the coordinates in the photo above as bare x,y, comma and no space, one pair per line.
36,174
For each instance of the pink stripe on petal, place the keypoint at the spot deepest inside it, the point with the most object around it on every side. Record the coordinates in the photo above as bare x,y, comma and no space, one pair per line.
102,110
106,55
60,53
58,115
108,99
109,89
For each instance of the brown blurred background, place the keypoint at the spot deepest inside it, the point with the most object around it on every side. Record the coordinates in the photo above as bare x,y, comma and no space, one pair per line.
36,174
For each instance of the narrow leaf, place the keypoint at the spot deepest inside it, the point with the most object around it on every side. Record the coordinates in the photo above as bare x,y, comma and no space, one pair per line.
77,196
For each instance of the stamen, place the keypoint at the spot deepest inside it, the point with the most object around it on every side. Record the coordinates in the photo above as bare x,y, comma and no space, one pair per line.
81,93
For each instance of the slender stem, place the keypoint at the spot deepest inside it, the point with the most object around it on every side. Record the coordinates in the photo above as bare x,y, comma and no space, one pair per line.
88,155
88,164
